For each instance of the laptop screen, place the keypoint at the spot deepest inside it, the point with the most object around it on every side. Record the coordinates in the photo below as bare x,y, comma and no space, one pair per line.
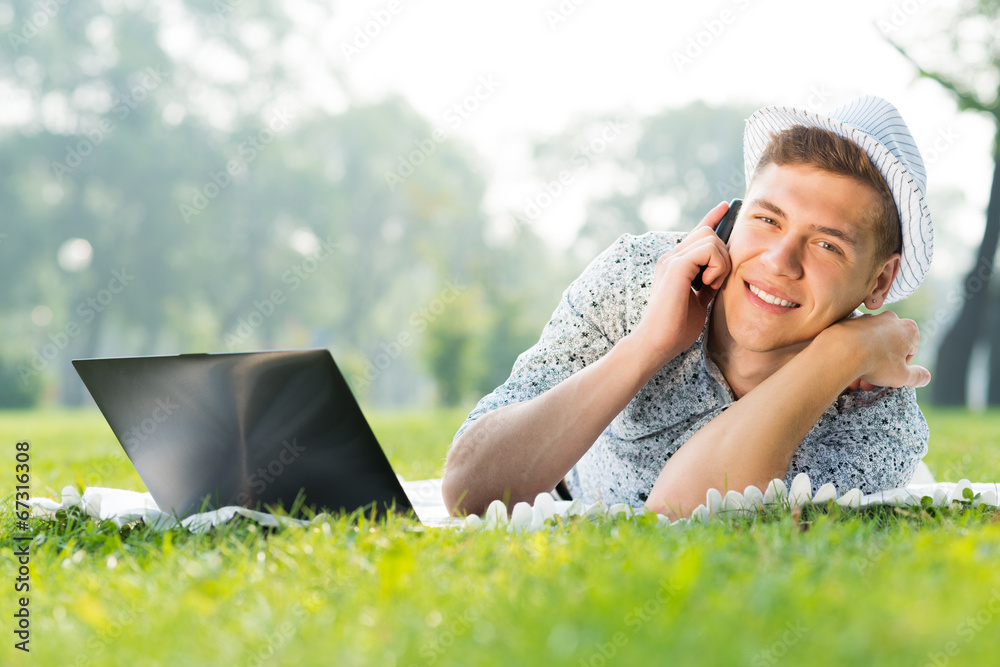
253,429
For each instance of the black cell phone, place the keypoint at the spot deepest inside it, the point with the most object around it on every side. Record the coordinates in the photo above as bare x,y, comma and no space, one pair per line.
723,230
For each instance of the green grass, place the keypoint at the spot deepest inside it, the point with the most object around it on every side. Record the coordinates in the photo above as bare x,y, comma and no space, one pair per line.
889,587
964,444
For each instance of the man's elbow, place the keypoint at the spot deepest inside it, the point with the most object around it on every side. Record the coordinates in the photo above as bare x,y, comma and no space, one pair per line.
672,508
456,483
454,493
677,500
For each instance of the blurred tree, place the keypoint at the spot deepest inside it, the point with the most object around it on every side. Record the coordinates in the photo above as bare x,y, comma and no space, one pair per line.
13,392
171,183
500,313
455,350
668,170
972,74
111,126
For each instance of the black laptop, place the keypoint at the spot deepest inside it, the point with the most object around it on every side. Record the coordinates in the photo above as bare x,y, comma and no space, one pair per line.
254,429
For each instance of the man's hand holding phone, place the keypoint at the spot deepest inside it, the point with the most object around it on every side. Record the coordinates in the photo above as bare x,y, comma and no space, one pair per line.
722,230
675,313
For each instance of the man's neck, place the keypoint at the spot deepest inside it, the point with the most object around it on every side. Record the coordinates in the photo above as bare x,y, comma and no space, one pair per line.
743,369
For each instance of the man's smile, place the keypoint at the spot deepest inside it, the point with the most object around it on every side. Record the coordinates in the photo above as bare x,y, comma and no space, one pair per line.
758,296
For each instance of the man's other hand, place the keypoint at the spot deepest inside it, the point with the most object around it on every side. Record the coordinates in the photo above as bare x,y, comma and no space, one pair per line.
675,314
883,346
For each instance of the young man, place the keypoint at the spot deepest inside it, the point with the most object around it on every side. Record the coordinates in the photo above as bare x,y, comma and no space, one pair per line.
643,390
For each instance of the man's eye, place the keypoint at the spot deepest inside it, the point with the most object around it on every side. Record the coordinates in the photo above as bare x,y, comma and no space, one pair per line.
768,221
828,246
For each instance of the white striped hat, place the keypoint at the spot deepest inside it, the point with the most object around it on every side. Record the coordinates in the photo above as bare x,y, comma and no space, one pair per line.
876,126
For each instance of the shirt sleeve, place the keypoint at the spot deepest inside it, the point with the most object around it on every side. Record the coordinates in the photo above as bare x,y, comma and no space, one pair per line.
589,320
870,440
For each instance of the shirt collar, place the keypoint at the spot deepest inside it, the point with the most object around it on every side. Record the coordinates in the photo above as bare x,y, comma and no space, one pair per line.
723,389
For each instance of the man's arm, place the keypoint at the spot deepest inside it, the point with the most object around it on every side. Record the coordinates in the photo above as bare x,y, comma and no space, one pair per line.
522,449
870,440
753,441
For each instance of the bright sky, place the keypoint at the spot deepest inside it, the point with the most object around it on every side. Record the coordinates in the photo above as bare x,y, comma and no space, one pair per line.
602,56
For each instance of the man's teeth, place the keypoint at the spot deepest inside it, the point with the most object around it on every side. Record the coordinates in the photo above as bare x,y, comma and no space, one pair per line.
764,296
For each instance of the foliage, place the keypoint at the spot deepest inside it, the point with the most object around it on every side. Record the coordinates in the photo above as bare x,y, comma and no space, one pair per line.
13,392
667,170
181,143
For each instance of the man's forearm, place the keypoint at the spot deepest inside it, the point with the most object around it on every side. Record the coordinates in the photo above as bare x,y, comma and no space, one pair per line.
753,441
526,448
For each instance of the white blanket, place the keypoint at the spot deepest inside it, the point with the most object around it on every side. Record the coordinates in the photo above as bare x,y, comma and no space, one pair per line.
122,506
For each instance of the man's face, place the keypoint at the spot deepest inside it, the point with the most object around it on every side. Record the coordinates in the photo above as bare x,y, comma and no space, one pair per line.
802,256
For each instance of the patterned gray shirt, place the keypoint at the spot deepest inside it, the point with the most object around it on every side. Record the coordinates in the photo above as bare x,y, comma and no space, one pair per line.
871,440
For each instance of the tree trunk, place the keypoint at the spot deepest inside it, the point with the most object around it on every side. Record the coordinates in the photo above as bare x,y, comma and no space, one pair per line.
951,371
993,218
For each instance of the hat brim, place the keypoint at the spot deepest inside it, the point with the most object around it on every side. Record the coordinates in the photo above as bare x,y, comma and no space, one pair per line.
914,217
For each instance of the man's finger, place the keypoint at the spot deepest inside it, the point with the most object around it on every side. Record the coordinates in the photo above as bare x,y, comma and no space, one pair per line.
919,376
707,257
720,273
713,217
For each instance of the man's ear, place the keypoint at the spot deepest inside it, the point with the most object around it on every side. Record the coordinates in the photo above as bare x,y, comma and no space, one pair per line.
883,278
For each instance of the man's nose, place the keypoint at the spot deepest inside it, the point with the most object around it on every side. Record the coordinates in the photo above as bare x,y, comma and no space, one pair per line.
784,257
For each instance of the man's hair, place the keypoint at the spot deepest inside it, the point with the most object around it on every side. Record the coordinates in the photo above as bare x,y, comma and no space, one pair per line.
830,152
